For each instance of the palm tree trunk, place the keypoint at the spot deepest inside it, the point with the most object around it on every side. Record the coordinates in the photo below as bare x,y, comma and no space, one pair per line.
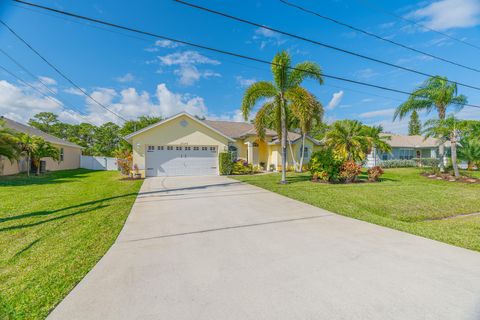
291,153
441,155
454,154
28,165
284,141
302,152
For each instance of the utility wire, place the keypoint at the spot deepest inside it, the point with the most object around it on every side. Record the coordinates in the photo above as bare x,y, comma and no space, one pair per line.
368,33
221,51
420,25
33,76
315,42
60,72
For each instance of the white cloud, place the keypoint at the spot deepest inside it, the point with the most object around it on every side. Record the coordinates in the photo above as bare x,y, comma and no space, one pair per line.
186,58
267,37
365,74
186,63
336,99
21,103
245,82
128,77
448,14
73,91
378,113
47,80
235,116
166,44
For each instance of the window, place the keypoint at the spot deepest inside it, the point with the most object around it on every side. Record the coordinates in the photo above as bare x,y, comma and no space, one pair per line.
179,148
160,148
188,148
204,148
150,148
196,148
233,152
405,154
169,148
305,152
62,155
384,156
213,148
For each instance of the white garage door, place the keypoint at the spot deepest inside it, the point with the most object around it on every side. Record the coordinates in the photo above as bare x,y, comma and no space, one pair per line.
181,160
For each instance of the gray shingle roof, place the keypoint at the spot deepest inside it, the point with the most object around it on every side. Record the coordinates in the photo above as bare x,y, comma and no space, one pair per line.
20,127
411,141
236,130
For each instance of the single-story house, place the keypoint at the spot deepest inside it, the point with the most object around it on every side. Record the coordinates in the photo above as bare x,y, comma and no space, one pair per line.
69,152
186,145
407,148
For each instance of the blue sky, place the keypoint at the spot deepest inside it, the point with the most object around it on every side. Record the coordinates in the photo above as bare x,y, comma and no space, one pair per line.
138,75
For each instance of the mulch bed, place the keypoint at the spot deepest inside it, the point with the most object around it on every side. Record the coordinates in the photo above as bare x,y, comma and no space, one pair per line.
450,178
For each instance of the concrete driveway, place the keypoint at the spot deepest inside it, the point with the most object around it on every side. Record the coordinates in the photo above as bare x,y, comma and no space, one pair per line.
213,248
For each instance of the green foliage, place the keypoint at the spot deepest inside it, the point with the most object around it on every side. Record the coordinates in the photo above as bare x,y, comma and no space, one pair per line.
350,171
375,173
398,163
242,167
125,161
8,143
225,163
325,165
469,150
437,93
427,162
414,125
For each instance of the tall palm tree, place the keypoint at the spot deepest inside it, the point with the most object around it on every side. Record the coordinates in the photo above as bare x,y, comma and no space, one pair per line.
307,110
347,139
434,94
276,96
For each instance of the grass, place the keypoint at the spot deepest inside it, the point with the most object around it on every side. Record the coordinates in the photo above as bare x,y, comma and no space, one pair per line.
53,230
403,200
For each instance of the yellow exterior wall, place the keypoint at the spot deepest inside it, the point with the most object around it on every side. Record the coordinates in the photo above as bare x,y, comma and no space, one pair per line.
173,133
276,153
71,160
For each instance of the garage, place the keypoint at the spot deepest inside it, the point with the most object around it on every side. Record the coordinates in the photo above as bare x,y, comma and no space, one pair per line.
168,160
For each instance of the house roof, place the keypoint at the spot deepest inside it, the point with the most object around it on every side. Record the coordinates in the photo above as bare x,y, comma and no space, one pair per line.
128,137
236,129
411,141
20,127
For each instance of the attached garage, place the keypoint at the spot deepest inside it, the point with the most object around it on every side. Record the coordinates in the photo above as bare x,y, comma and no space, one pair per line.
178,146
181,161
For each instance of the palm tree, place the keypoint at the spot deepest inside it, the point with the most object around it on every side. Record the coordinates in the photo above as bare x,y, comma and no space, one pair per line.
27,146
43,149
376,141
347,139
446,129
437,93
307,110
8,143
469,150
276,93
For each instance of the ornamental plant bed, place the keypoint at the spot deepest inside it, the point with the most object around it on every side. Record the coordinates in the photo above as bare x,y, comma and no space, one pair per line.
450,177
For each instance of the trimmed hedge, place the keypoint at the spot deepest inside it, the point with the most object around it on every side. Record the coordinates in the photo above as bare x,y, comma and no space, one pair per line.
225,163
398,163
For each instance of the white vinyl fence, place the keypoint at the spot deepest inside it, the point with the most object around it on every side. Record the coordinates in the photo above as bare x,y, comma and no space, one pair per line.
98,163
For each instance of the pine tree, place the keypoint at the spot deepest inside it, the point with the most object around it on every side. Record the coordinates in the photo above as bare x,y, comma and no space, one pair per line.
414,125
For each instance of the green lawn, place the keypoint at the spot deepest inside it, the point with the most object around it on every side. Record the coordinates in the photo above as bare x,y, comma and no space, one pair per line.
404,200
53,229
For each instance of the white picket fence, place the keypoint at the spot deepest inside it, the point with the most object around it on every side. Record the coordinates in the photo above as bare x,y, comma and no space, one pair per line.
98,163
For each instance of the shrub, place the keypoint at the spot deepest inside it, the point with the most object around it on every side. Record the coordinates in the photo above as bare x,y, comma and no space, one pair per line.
324,165
398,163
242,167
349,171
427,162
225,163
374,173
124,161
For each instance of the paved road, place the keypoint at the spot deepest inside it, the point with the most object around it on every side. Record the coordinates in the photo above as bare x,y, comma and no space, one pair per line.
213,248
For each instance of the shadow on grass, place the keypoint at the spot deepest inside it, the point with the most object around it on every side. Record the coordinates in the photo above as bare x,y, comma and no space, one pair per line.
28,225
49,212
62,176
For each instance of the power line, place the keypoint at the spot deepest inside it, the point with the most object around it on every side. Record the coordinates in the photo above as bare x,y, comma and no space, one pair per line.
60,72
420,25
359,55
221,51
368,33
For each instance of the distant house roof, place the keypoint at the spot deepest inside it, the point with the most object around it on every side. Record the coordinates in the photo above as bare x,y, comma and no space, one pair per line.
20,127
411,141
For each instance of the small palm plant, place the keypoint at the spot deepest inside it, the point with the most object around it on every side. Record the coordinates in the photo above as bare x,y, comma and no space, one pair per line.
276,95
347,139
43,149
8,143
469,150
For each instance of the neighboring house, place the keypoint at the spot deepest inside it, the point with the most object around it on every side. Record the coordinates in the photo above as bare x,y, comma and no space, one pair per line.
69,152
185,145
407,148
